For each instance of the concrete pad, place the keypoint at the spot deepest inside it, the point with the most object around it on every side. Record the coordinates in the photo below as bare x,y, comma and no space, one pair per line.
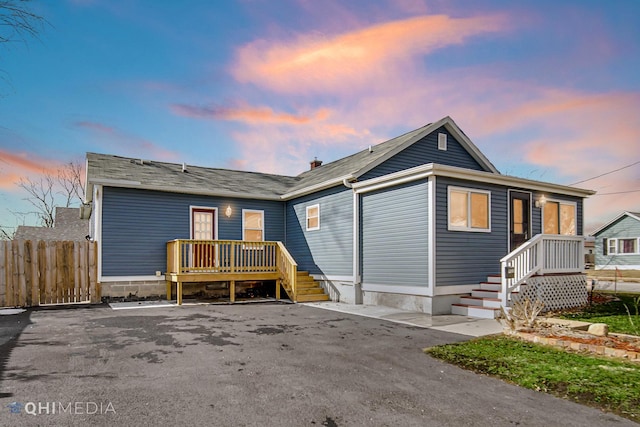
447,323
10,311
140,304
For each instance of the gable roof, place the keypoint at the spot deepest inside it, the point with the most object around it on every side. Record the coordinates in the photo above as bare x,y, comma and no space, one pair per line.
117,171
634,215
354,166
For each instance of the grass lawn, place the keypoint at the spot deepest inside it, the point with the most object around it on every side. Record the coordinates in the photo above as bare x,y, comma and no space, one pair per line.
613,313
604,383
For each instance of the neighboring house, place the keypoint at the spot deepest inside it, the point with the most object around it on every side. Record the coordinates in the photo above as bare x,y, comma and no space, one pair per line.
589,251
67,225
415,222
618,243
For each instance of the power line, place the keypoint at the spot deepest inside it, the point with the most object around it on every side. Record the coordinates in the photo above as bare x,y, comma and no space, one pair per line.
619,192
606,173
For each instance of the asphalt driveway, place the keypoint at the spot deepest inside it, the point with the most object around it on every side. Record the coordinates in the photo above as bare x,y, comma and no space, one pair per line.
259,364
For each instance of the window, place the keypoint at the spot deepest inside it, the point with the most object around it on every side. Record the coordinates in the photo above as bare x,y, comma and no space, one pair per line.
252,225
313,217
627,246
469,210
442,141
559,218
622,246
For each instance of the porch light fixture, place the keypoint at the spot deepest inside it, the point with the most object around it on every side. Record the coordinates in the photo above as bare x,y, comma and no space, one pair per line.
541,202
228,211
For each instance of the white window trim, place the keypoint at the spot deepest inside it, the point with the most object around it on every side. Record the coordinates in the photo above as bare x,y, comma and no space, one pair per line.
317,206
616,250
262,221
563,202
469,191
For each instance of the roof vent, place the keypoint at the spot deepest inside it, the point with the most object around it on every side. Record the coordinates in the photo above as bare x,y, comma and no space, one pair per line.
315,163
184,167
141,162
371,149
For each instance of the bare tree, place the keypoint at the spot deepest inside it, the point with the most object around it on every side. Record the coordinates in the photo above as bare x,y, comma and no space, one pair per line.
64,188
18,22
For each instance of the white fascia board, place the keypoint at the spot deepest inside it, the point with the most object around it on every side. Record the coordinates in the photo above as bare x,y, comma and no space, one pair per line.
181,190
491,178
616,219
88,191
317,187
457,133
424,171
453,128
417,137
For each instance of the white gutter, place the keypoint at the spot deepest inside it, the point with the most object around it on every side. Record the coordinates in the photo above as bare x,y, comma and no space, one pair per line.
317,187
432,169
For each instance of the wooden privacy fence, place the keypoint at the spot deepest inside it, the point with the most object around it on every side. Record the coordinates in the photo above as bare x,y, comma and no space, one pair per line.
33,273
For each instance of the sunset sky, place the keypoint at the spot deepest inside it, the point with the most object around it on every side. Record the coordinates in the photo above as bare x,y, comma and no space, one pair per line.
548,90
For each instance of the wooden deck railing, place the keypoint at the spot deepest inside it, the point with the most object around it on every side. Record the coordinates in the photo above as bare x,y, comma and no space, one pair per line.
289,270
543,254
231,257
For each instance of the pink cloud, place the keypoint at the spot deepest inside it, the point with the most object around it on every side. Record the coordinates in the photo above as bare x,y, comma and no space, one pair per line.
18,165
247,114
126,143
314,64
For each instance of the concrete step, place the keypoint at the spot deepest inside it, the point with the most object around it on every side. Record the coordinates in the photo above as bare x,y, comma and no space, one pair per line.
484,293
473,311
313,297
489,286
494,278
481,302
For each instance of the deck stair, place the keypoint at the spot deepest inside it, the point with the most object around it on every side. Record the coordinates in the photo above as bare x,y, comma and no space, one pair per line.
308,289
484,301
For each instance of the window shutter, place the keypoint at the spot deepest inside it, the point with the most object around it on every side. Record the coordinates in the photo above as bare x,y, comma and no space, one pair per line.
605,246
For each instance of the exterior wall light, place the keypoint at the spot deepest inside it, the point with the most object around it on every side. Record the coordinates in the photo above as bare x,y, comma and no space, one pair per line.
228,211
541,202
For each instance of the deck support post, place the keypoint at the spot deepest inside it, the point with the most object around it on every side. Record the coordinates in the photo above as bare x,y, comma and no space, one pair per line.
179,293
168,290
232,291
278,283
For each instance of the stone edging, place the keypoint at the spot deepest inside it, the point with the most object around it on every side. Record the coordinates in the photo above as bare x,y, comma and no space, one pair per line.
632,356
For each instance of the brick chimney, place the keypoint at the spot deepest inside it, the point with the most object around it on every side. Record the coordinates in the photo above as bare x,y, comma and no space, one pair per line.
315,163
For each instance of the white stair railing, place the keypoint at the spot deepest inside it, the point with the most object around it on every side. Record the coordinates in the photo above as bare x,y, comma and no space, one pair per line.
543,254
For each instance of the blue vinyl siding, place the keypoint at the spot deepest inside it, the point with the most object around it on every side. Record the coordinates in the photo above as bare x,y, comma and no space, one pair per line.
329,250
462,257
395,236
137,224
426,151
625,228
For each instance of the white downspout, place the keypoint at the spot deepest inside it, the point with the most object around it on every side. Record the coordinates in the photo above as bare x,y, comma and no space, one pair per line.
357,285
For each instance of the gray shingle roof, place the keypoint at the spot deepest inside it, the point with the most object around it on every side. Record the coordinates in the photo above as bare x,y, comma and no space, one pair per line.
350,165
134,173
128,172
67,226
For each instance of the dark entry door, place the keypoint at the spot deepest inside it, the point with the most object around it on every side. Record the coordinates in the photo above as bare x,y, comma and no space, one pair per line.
520,218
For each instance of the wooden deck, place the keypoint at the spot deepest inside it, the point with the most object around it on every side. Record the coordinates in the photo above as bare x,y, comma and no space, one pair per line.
190,261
